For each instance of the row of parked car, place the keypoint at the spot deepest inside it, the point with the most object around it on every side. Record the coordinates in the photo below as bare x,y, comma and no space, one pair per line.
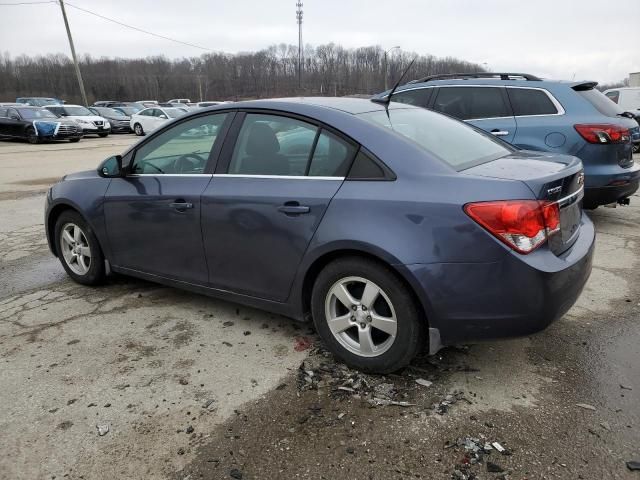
38,119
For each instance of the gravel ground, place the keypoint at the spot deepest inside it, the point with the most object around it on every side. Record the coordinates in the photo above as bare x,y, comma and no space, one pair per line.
192,387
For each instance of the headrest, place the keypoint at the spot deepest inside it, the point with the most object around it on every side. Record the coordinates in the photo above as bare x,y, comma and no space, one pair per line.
262,140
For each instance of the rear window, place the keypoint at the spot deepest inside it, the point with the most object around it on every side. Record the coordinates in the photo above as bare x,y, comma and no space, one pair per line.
601,103
526,101
454,142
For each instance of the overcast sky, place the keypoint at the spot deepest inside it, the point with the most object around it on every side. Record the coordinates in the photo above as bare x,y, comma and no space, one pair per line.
562,39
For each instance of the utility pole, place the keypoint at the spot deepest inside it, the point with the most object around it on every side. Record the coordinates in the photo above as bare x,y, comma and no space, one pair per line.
73,54
386,63
300,55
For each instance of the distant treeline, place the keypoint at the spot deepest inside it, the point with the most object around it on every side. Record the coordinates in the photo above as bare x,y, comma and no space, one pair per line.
328,70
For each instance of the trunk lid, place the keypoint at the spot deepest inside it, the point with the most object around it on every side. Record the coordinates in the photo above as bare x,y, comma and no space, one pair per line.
551,178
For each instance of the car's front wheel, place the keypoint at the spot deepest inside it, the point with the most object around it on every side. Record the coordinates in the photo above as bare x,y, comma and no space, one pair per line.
32,136
78,249
366,315
137,128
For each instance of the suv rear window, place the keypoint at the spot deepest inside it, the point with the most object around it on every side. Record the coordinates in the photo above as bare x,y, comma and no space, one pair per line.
471,102
601,103
526,101
417,96
454,142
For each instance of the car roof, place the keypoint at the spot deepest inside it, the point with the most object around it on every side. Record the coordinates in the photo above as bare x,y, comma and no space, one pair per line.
353,106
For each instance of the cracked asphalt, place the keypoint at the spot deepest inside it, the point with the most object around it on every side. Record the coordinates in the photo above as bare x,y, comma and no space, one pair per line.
192,387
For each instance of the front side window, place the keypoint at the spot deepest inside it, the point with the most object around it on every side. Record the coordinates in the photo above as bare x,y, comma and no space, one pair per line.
418,97
183,149
457,144
526,101
468,103
272,145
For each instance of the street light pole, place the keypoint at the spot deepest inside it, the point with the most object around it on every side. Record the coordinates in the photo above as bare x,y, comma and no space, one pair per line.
73,54
386,53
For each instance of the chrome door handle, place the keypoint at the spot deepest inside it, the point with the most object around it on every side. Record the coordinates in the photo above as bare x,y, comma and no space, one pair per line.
293,208
181,206
499,133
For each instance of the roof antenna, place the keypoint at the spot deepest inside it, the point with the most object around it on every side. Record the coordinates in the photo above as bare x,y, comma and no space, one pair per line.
387,99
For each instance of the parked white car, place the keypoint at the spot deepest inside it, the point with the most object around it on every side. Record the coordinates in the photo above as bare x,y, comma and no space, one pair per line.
149,119
85,118
627,97
179,100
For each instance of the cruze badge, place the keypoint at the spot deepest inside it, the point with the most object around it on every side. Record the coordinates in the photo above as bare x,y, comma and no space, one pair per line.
554,190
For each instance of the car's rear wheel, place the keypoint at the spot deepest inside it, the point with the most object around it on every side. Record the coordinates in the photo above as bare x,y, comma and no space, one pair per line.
366,315
78,249
137,128
32,136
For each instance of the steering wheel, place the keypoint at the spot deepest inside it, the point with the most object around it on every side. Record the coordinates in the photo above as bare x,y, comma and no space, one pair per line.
189,163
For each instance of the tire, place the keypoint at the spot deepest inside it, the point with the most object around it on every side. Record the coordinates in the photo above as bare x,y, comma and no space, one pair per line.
137,129
74,140
103,135
32,137
83,271
636,148
387,352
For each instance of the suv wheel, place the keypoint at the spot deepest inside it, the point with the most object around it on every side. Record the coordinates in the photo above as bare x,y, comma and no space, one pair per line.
137,128
366,316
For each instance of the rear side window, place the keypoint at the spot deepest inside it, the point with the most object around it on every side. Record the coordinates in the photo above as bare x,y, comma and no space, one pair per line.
272,145
457,144
468,103
526,101
418,97
331,157
600,102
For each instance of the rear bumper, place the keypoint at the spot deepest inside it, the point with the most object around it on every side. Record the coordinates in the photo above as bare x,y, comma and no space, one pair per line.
517,296
614,187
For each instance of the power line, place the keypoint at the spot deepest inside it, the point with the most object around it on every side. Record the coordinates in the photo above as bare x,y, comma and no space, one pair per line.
136,28
24,3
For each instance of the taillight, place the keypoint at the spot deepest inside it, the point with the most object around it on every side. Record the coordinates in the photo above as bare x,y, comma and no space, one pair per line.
524,225
603,133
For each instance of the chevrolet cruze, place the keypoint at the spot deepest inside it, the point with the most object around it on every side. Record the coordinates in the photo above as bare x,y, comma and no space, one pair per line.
393,228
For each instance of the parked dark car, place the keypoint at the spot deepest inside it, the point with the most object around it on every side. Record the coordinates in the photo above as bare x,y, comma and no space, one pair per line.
114,103
571,118
393,229
36,124
120,123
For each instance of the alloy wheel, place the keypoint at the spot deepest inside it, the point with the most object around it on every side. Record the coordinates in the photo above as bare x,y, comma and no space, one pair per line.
361,316
75,249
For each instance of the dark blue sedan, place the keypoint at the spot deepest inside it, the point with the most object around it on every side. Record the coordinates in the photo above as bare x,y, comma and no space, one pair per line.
394,229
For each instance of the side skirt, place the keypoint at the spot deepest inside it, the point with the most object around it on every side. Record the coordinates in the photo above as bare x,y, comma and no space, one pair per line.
259,303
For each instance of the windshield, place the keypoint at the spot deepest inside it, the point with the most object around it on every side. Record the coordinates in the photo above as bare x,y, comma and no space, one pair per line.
174,112
453,141
127,110
109,112
601,103
77,111
35,113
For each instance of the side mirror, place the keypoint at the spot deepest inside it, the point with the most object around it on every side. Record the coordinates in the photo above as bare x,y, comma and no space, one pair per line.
111,167
163,116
